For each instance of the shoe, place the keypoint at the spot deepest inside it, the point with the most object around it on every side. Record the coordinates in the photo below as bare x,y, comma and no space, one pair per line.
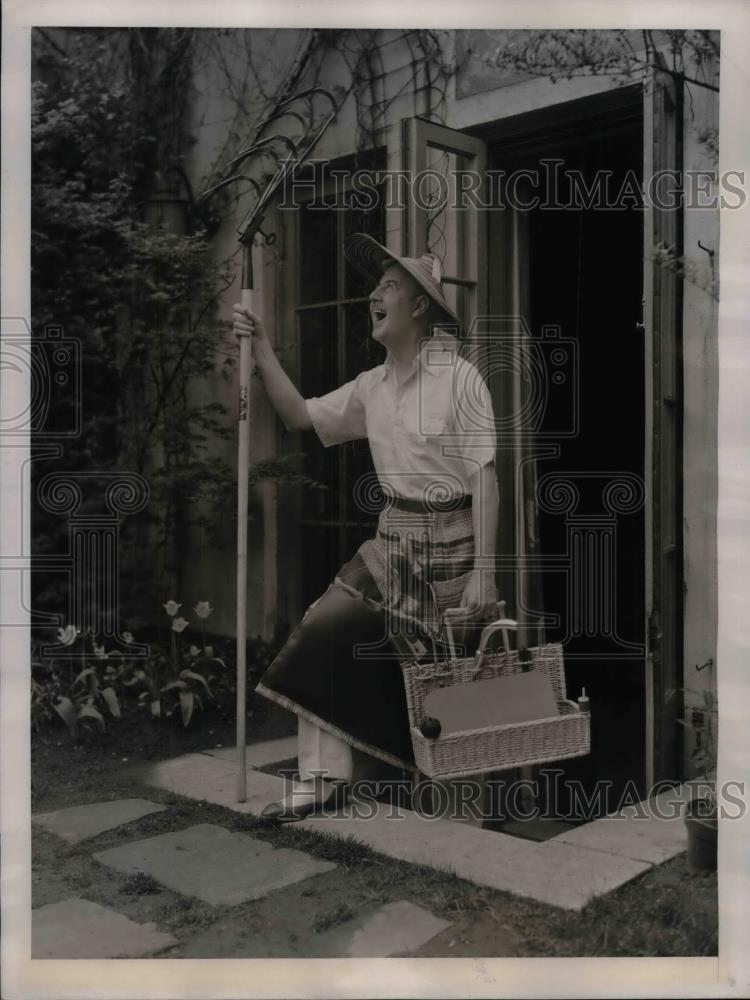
305,799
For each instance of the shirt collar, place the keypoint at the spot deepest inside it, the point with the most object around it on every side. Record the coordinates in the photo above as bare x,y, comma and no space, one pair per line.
435,354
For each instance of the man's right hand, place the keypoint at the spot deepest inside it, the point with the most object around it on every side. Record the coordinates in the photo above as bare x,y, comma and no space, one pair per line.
286,400
246,322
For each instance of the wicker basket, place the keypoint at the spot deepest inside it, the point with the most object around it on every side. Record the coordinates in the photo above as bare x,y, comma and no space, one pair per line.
495,748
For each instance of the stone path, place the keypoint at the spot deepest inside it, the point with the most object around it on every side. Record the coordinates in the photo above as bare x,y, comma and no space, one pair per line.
394,929
78,823
205,862
78,928
212,864
224,868
567,870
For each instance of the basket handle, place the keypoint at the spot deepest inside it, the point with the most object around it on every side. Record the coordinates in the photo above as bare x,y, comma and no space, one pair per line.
485,633
501,625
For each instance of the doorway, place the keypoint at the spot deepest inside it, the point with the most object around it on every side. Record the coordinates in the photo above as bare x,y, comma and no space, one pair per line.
578,531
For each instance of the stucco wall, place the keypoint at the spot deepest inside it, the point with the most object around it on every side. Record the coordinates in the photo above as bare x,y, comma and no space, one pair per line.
701,391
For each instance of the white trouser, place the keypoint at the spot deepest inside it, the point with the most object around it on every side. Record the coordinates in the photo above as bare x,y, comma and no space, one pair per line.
320,752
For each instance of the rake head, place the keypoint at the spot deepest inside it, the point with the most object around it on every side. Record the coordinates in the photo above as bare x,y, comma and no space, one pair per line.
265,147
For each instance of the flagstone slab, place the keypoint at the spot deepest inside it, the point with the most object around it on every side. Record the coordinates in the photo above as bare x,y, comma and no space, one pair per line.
213,864
536,828
77,823
78,928
394,929
259,754
562,874
211,779
650,831
558,874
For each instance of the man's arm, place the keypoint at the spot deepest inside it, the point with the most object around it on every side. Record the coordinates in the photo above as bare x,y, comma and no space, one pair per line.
284,396
480,596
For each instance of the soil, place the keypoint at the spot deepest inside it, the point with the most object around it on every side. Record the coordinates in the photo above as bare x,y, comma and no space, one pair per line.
670,910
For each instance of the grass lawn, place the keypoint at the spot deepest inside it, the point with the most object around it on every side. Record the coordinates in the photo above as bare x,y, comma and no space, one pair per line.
668,911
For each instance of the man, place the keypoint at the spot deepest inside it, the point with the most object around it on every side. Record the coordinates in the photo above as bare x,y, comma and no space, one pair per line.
427,415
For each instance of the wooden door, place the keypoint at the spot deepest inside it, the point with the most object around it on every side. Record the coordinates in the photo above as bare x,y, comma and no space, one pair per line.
662,300
440,219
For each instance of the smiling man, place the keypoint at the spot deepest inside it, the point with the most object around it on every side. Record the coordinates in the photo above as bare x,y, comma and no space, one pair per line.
427,415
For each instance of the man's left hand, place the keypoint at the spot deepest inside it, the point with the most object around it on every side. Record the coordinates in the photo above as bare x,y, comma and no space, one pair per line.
479,598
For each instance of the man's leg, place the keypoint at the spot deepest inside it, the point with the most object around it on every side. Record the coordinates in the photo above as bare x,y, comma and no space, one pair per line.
320,753
323,760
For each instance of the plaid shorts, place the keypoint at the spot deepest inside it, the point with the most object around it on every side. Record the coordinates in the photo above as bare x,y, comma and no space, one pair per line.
421,562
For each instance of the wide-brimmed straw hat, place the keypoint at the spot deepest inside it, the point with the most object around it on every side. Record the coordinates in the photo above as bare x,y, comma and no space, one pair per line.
371,259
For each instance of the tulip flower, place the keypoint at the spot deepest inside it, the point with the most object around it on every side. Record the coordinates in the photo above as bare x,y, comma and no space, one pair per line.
194,651
67,635
203,609
172,607
180,624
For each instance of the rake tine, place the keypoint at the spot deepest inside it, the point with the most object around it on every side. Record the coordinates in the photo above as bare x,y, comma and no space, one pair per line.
279,113
309,93
229,180
285,170
284,114
261,143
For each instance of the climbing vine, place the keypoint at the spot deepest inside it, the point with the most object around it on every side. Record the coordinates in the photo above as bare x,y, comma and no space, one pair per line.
123,262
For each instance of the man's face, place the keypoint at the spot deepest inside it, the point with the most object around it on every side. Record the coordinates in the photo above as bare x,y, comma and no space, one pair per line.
392,305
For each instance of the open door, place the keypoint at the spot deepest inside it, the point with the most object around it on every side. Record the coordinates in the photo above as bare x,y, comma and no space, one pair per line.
662,312
435,158
448,168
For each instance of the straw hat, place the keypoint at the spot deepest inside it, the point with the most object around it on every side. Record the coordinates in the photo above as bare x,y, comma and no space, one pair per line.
371,259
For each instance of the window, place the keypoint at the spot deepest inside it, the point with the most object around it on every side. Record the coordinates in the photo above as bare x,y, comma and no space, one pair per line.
335,344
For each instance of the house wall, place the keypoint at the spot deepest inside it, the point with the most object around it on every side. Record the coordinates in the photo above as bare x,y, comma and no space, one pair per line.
399,88
701,395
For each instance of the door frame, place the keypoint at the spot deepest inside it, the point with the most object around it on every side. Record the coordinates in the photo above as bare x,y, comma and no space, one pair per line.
536,131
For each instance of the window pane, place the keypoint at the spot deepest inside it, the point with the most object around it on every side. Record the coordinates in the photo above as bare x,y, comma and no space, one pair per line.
360,350
317,257
371,222
458,298
318,351
318,367
446,229
320,558
360,353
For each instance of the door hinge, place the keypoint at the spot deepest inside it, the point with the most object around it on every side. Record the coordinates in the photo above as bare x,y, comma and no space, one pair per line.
654,631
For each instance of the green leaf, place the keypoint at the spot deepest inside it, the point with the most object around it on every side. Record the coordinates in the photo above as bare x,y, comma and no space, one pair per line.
186,705
111,699
67,713
182,685
84,673
215,659
89,712
197,677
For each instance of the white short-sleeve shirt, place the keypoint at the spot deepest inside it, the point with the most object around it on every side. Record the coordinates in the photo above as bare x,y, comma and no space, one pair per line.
428,434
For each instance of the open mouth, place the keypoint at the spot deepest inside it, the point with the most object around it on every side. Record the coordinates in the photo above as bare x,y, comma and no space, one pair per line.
378,315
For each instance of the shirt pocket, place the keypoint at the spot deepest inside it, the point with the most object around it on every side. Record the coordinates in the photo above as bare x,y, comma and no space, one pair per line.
432,424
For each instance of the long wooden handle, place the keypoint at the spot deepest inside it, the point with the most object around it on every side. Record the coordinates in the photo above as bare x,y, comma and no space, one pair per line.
243,470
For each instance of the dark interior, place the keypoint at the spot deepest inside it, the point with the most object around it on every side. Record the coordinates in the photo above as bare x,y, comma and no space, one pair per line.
585,273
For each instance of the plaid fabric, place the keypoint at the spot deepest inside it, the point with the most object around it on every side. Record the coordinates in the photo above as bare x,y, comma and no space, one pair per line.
421,562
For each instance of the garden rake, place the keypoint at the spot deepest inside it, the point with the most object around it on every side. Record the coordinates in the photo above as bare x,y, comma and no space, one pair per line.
301,108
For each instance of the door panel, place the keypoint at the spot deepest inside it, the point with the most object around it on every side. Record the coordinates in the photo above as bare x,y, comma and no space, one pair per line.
434,156
663,464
